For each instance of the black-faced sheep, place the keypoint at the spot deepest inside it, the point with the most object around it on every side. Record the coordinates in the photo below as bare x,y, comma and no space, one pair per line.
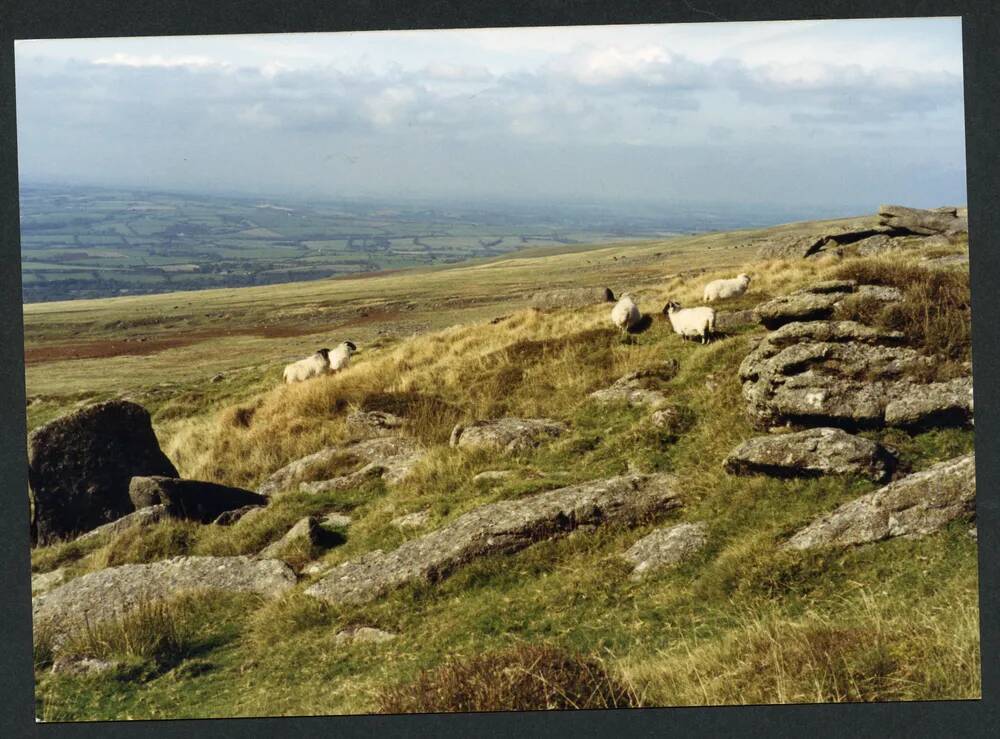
312,366
691,322
341,356
719,289
626,313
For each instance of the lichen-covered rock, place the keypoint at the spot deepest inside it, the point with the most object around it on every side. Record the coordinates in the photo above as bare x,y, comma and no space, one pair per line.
142,517
411,521
46,581
729,320
82,666
511,435
300,538
105,594
370,471
810,453
494,475
499,528
79,467
191,499
336,520
914,506
363,635
633,396
666,547
844,373
396,455
374,423
228,518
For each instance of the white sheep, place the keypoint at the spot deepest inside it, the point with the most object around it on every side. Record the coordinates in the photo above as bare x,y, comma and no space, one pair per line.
341,356
687,322
312,366
718,289
626,313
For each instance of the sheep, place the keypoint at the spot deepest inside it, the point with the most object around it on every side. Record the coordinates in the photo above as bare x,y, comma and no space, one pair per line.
313,366
626,313
686,322
718,289
341,356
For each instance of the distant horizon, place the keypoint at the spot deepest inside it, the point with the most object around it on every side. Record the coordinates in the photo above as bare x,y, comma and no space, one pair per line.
802,114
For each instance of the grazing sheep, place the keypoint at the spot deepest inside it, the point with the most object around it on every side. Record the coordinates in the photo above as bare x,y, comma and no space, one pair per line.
626,313
341,356
719,289
687,322
314,366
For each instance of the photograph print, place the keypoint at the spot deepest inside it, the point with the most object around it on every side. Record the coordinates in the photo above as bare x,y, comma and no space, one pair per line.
548,368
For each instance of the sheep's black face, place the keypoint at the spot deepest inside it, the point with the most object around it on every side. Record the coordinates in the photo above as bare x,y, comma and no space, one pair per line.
325,353
671,307
350,345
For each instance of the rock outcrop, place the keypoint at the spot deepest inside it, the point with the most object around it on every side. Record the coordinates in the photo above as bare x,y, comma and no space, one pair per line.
826,240
914,506
666,547
819,302
370,471
923,222
395,455
79,467
228,518
843,373
572,297
811,453
637,388
43,582
190,499
98,596
374,423
510,435
412,521
498,528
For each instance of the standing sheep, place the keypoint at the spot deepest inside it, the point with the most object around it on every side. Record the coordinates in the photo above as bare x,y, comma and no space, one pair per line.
341,356
687,322
719,289
626,313
314,366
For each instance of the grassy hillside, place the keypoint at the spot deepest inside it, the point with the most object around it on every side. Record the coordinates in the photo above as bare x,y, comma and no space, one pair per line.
742,622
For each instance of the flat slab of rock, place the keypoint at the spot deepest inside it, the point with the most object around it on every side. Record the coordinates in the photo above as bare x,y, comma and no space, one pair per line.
336,520
633,396
811,453
370,471
375,423
101,595
363,635
666,547
843,373
300,537
395,454
728,320
494,475
825,240
79,467
951,261
914,506
511,435
228,518
191,499
572,297
923,222
499,528
142,517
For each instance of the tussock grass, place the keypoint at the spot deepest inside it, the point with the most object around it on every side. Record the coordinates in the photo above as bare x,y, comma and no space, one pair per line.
525,678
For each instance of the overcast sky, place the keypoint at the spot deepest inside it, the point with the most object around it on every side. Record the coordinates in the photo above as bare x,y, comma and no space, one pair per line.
851,113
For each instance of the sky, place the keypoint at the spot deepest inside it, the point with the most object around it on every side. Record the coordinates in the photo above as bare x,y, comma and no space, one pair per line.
793,113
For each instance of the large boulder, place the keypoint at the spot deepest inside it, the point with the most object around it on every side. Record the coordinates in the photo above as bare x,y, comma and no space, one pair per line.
638,388
572,297
96,597
914,506
296,541
498,528
842,373
136,519
79,467
828,239
375,423
810,453
192,499
666,547
511,435
923,222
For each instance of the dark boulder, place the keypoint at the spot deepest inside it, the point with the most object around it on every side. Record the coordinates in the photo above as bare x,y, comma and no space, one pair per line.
80,465
192,499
